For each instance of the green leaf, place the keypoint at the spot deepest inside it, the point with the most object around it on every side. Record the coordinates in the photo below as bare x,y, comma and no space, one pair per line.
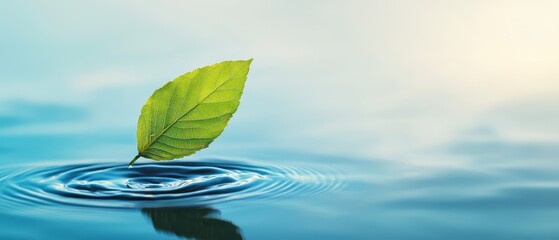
188,113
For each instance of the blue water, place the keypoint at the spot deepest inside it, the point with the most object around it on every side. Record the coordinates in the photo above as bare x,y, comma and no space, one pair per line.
313,197
360,120
177,183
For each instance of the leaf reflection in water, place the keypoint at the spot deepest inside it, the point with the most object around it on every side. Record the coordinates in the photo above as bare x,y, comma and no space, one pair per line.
200,223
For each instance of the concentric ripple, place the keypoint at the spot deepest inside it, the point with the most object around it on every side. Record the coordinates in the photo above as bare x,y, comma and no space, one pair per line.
159,184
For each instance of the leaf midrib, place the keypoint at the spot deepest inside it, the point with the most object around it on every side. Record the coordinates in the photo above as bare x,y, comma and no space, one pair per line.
190,110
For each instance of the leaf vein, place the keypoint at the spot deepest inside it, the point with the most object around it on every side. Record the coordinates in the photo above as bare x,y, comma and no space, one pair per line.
200,119
167,128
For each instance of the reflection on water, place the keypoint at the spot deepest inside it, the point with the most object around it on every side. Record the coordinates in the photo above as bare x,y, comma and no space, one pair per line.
199,223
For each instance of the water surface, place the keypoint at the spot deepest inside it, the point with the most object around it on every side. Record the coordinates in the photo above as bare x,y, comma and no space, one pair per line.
325,197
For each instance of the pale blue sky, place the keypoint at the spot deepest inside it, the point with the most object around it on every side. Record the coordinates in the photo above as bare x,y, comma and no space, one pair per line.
399,80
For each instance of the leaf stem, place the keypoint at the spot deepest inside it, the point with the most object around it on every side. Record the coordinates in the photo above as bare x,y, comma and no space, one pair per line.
133,161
